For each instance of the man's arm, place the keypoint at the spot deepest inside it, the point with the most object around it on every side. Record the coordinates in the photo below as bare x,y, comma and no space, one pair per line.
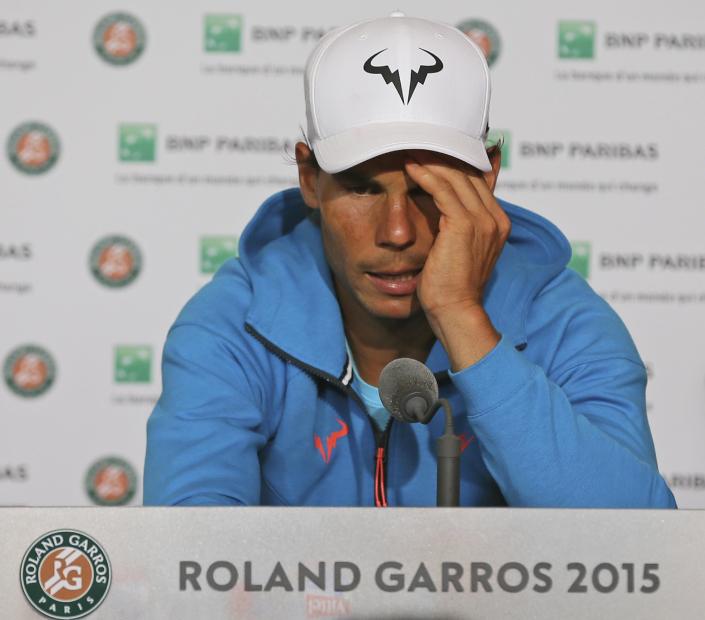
473,229
579,441
204,434
578,438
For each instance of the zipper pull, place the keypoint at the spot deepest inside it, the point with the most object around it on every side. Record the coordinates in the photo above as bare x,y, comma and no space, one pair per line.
380,493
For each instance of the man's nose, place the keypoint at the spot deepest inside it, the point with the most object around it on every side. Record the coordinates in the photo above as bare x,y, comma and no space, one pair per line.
396,228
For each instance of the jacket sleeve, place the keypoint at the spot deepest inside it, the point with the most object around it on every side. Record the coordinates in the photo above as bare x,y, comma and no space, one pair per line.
578,438
204,434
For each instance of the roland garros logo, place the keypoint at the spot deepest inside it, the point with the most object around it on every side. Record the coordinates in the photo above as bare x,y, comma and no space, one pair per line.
111,482
65,574
29,370
119,38
115,261
33,148
486,37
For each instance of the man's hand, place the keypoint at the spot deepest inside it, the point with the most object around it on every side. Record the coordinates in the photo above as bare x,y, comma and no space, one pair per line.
473,229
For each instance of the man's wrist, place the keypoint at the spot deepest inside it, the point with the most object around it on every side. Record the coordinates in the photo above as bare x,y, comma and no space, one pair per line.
466,333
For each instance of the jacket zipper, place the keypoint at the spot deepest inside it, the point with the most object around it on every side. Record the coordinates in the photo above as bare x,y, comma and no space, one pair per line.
382,444
381,437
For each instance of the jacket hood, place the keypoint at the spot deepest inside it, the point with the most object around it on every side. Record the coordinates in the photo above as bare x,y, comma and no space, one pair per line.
295,308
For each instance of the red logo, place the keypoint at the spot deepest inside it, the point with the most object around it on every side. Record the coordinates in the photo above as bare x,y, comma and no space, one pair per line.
465,441
331,440
318,606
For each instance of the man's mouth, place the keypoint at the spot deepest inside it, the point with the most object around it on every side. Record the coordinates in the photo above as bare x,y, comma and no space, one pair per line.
400,277
395,282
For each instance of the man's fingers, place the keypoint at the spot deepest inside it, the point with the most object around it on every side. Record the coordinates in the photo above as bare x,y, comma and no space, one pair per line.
438,188
465,191
471,188
470,196
503,222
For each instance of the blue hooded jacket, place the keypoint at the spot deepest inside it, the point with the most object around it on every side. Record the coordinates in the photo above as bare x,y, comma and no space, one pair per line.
257,406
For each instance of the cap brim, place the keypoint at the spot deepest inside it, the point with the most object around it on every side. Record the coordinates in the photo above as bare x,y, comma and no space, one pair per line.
349,148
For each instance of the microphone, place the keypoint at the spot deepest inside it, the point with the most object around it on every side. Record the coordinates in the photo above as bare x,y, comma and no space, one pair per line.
409,391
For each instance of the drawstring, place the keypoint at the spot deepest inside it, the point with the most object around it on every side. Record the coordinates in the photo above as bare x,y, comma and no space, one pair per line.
380,494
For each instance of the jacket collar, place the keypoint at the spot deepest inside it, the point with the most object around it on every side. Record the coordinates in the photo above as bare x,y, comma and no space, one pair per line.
294,306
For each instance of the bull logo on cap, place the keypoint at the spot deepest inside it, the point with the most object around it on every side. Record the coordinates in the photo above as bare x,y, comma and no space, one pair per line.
392,77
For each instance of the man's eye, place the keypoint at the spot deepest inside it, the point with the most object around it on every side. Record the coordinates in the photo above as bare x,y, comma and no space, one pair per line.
362,190
418,194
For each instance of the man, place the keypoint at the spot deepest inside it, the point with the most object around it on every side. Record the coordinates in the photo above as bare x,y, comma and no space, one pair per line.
395,246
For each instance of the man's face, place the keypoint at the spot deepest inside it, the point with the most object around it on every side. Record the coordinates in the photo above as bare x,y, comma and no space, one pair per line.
377,227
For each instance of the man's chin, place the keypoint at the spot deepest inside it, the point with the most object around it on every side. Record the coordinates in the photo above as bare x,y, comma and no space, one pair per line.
400,308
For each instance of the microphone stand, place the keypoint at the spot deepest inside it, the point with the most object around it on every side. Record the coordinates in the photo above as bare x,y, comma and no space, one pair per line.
448,455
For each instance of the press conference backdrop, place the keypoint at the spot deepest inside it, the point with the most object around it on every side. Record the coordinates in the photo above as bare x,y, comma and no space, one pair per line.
138,138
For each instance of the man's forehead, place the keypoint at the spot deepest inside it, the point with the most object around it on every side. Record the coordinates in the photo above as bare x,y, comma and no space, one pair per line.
393,162
377,165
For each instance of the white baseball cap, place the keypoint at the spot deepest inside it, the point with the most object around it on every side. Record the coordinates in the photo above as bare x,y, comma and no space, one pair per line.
392,84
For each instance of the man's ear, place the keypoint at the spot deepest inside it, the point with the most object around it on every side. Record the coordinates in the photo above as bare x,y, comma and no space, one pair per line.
495,155
308,174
